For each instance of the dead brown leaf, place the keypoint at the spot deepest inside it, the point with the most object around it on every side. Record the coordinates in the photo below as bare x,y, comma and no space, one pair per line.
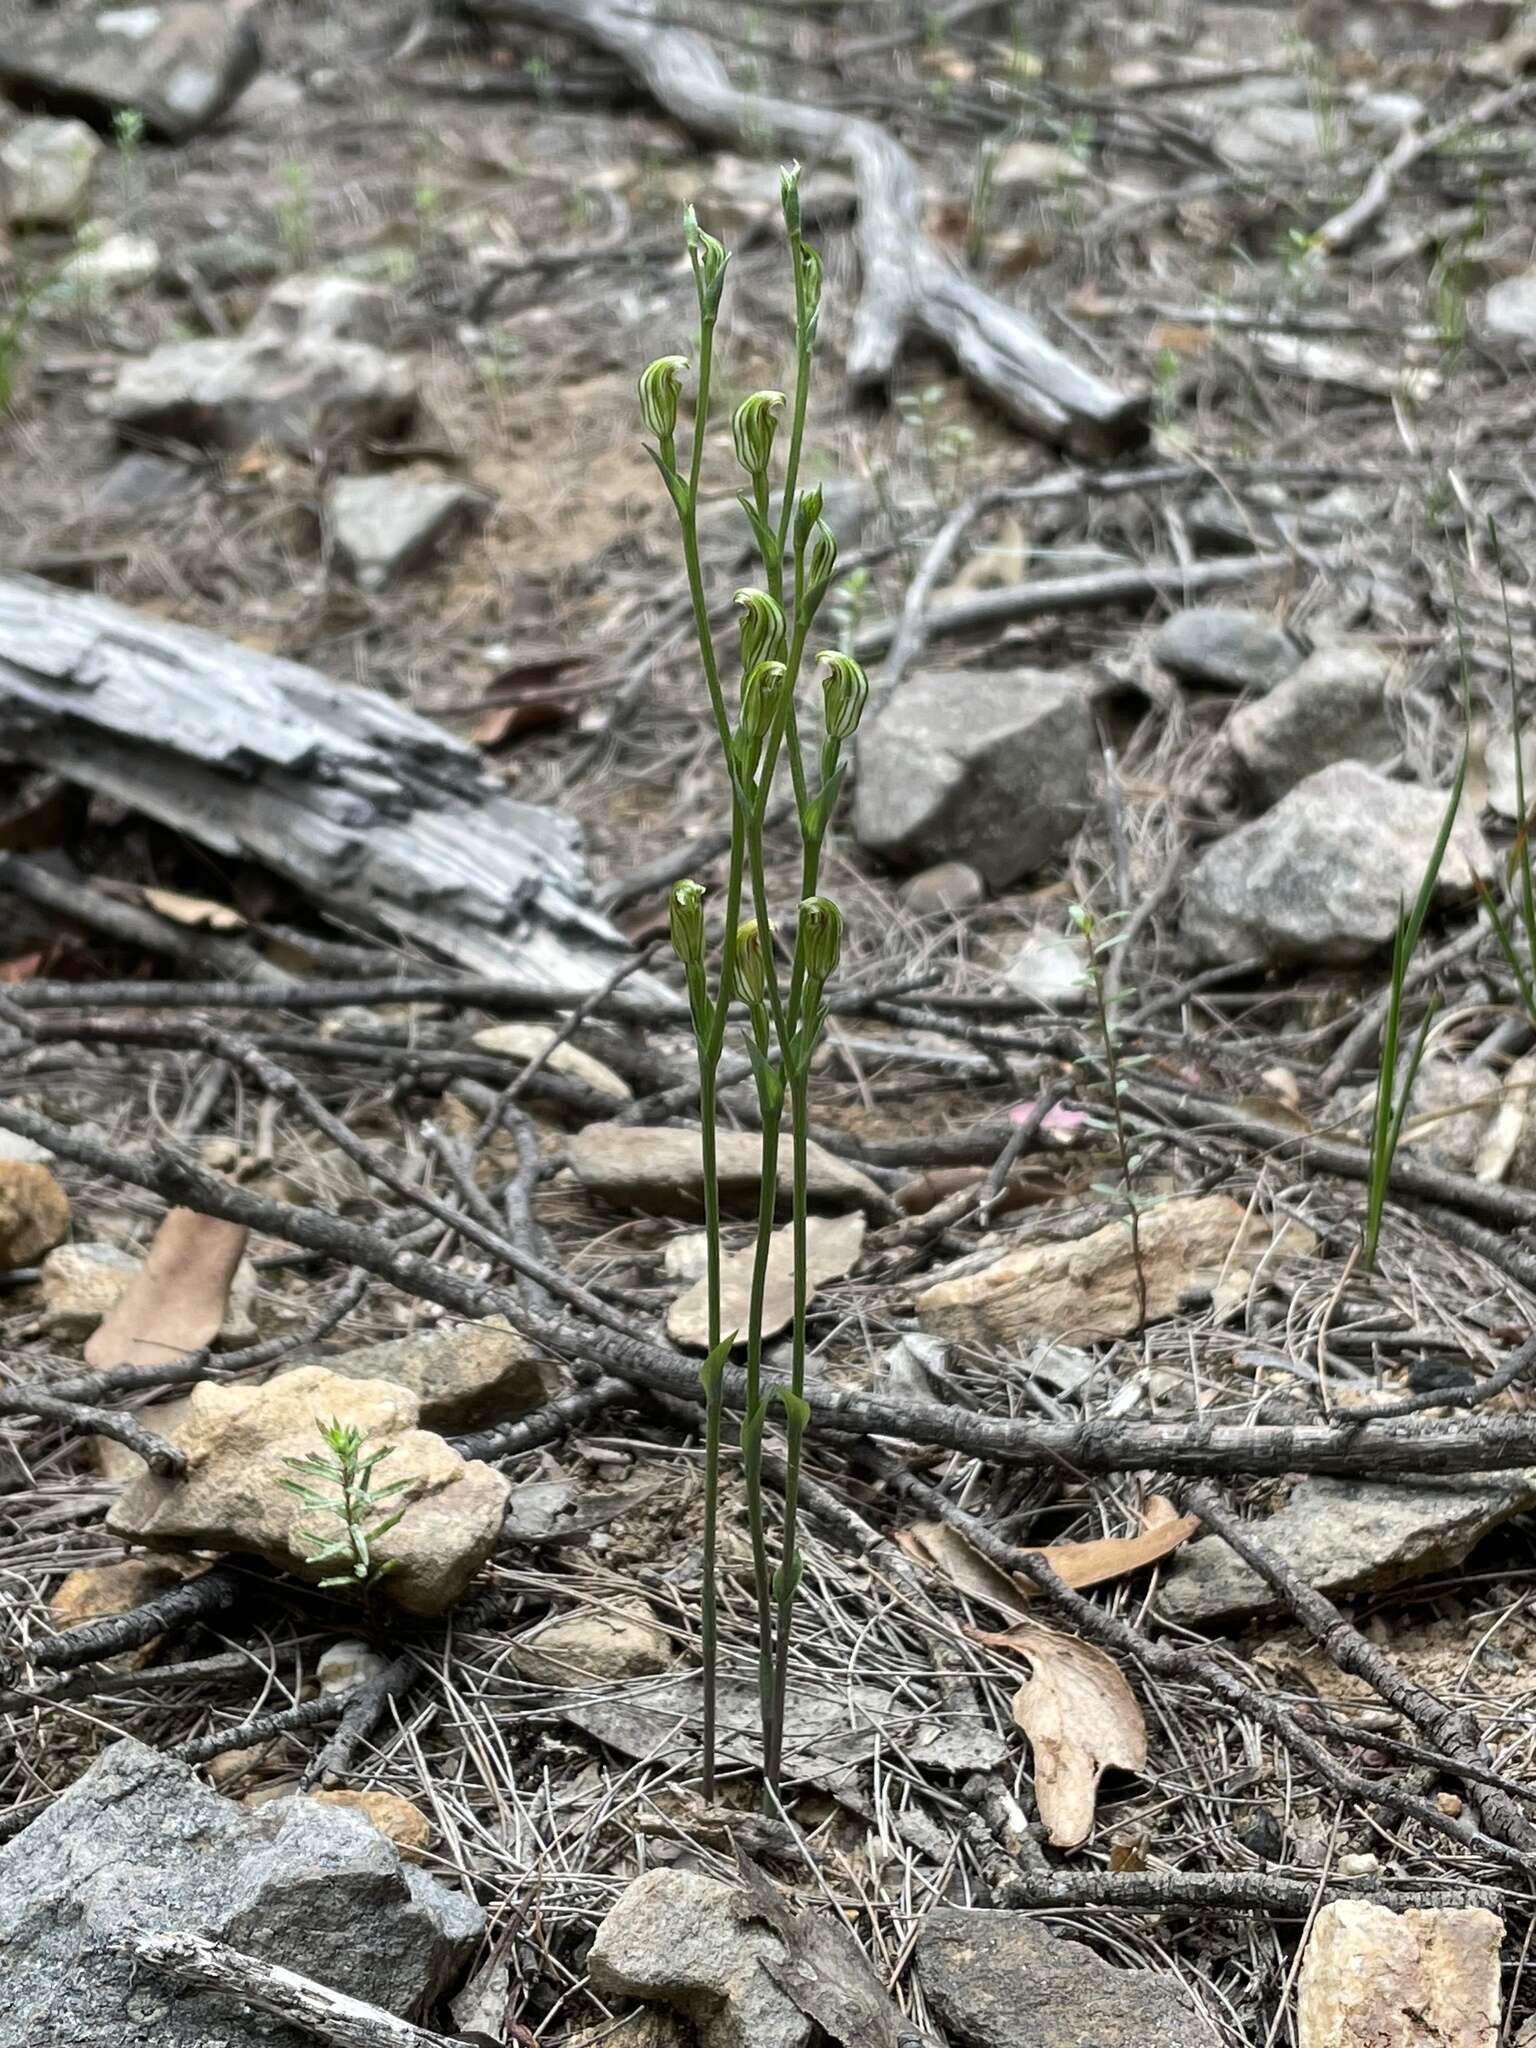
175,1303
1081,1719
201,912
944,1549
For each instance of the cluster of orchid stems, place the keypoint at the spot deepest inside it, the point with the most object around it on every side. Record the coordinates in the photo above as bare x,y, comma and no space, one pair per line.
784,1013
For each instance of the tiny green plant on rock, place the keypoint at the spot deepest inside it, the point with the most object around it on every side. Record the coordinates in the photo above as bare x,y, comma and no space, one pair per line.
338,1483
784,1011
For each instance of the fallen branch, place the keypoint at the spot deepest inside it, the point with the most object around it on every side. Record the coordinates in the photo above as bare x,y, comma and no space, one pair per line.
330,2016
1453,1734
1077,594
1346,226
361,1713
79,1419
910,286
177,1608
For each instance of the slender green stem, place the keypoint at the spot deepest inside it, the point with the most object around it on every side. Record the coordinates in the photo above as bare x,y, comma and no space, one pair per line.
799,1122
752,1435
714,1404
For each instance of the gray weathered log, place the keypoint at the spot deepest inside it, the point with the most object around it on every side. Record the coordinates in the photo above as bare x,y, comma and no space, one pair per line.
330,2016
910,286
364,805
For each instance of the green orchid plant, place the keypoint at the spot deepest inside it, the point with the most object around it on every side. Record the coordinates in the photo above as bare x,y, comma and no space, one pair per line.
782,1002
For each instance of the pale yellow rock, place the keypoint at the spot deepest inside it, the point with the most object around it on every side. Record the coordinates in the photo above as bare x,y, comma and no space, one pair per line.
1372,1978
34,1213
660,1171
1087,1288
237,1440
832,1244
116,1462
405,1825
593,1646
525,1042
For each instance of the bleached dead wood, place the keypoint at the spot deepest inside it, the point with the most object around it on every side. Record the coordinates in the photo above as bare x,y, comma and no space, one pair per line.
372,811
330,2016
910,286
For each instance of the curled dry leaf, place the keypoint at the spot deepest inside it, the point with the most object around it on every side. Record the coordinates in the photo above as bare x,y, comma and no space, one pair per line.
944,1549
1081,1718
175,1303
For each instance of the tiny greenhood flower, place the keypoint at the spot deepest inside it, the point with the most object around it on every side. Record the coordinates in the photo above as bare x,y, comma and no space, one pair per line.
708,258
685,917
752,962
810,288
820,555
844,694
762,693
762,628
821,937
807,513
661,385
789,196
753,426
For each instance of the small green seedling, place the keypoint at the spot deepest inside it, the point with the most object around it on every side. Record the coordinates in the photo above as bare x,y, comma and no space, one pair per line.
338,1483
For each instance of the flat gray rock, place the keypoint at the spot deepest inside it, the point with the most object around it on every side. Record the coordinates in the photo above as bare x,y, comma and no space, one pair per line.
1320,877
1343,1536
691,1942
1509,311
992,770
1225,648
45,172
1335,707
464,1375
300,393
179,65
139,1843
385,525
999,1980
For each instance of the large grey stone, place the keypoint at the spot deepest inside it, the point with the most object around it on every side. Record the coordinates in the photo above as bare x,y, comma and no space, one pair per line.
464,1375
301,393
139,1843
179,65
324,305
1343,1536
1224,648
45,172
690,1942
1509,311
385,525
1335,707
993,770
999,1980
1321,876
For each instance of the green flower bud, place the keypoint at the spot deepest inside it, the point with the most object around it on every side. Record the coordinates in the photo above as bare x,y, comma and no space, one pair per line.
708,258
807,512
762,692
754,424
844,693
752,962
810,287
685,916
821,937
789,197
661,385
762,628
820,555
